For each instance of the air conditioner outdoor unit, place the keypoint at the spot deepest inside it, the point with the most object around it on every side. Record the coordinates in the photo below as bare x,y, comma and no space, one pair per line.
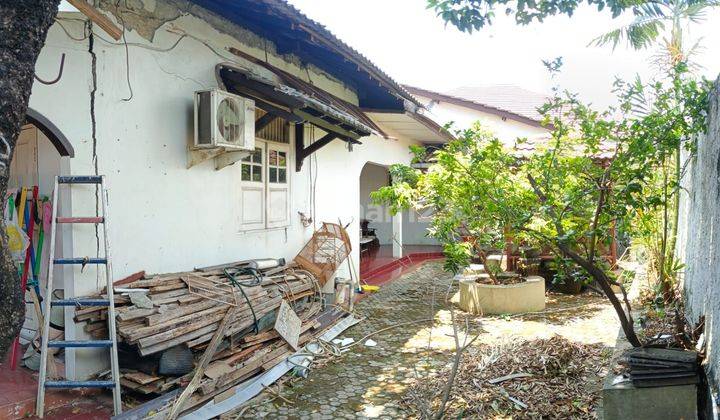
224,120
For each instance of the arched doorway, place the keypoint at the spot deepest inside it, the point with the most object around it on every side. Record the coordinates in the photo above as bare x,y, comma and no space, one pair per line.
387,240
42,152
377,231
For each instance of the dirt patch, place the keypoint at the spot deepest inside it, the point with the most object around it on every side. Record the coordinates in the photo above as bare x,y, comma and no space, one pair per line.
502,279
548,378
376,382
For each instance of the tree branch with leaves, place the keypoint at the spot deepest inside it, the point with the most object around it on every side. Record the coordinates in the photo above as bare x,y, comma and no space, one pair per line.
595,172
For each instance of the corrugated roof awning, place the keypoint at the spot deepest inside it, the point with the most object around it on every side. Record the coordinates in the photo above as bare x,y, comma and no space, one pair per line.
282,94
292,32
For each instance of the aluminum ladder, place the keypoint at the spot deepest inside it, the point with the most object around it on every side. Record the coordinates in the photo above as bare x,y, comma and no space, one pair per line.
111,342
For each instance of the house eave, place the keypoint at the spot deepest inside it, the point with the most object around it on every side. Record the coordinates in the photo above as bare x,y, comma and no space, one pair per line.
453,100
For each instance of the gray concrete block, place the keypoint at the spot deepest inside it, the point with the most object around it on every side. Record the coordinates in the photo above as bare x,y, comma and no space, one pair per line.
625,402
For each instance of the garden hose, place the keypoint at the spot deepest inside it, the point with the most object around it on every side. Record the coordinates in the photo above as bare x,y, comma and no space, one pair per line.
240,285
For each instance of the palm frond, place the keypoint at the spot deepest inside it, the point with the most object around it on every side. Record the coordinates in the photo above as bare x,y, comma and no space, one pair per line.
652,9
640,34
697,12
637,99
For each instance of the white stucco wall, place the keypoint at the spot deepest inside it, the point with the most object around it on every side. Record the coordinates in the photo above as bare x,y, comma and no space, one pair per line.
164,217
415,228
506,130
698,244
372,178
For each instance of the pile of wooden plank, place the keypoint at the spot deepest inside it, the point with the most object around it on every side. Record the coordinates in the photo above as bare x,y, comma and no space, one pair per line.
252,355
160,312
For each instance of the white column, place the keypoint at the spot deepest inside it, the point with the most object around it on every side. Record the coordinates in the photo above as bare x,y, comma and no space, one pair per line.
397,235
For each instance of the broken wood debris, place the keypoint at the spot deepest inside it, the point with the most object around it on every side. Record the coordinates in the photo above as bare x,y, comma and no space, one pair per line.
508,377
187,309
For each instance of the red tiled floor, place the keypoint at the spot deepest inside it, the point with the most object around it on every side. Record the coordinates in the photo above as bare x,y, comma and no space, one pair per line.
87,408
381,256
380,267
18,391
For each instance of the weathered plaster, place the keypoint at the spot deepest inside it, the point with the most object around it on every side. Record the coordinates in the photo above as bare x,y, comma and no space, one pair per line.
699,235
165,217
147,17
143,16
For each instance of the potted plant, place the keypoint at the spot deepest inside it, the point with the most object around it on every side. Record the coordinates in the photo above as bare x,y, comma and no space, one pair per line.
567,277
480,211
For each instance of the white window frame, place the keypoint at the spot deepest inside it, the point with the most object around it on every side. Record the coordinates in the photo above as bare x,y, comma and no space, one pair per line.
274,186
248,188
267,189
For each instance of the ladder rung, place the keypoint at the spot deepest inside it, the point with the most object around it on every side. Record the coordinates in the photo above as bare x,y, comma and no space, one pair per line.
85,343
80,302
80,219
80,261
79,384
85,179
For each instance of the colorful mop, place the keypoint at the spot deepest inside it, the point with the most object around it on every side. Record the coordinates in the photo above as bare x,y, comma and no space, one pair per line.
45,213
29,258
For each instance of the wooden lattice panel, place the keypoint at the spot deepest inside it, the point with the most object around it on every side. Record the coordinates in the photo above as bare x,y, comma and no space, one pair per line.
325,251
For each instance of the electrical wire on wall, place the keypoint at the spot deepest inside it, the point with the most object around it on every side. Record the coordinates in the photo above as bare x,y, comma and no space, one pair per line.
127,50
126,45
310,190
312,174
314,181
314,207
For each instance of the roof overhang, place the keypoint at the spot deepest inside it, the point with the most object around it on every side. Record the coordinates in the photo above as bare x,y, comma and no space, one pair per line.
294,33
410,125
281,94
453,100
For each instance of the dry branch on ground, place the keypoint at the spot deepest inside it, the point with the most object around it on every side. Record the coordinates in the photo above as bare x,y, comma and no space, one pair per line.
564,381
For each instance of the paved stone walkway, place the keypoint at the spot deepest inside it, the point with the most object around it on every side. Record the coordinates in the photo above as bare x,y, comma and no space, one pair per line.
370,382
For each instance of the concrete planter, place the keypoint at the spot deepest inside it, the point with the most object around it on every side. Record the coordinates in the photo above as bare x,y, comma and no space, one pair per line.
479,298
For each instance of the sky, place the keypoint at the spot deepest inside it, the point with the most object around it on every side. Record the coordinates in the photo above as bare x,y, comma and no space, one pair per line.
414,47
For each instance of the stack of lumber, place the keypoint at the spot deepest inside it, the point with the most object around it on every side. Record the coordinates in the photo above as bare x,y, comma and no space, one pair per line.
225,373
252,355
179,314
160,312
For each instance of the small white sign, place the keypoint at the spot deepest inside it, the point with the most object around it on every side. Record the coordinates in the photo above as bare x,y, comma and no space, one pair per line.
288,325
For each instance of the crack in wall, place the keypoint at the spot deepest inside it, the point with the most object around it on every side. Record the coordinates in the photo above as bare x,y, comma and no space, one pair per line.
93,122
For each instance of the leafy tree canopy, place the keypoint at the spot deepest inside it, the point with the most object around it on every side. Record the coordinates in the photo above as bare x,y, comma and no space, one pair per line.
593,174
472,15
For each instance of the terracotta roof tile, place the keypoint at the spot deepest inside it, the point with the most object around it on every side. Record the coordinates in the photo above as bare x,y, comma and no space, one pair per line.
508,98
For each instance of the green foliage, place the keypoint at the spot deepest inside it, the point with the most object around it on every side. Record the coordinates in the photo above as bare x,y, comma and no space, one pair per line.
656,21
420,154
653,19
567,271
472,15
402,194
458,255
476,200
595,173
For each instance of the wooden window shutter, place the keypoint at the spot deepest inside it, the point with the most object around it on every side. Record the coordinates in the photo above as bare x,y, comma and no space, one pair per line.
278,185
252,190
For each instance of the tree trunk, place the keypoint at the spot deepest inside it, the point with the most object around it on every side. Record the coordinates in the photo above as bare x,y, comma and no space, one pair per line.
626,321
23,29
